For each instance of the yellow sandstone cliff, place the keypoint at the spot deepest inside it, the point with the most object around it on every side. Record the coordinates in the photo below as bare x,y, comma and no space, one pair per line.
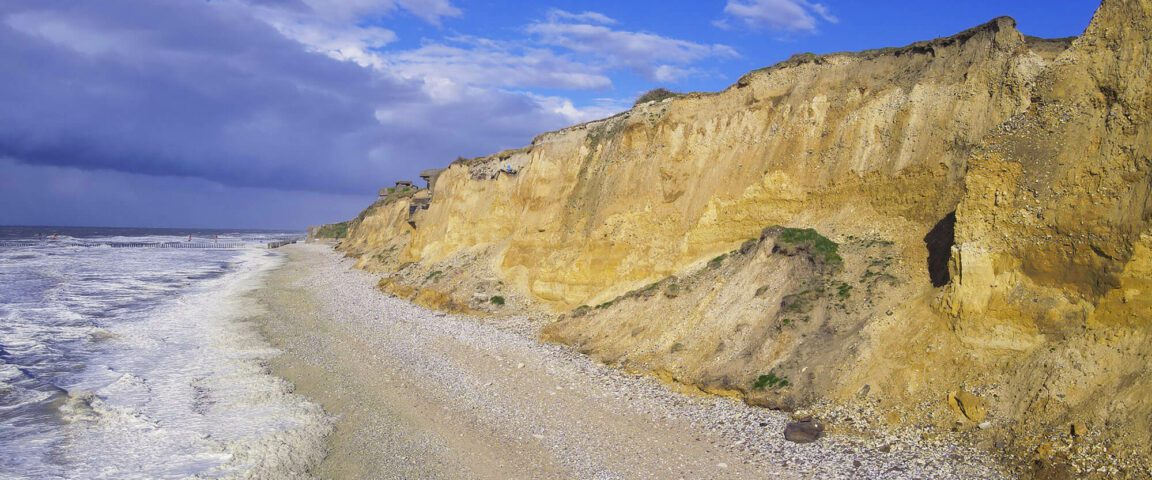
980,259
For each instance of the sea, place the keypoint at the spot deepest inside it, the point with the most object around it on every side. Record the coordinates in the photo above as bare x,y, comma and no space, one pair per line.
132,353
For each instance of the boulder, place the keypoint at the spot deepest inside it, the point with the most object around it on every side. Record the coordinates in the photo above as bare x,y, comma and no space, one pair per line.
968,405
806,431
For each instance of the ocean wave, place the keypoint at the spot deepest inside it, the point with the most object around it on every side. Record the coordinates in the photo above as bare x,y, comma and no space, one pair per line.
157,373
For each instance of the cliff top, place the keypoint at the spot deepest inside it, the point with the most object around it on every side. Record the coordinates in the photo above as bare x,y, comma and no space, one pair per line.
996,28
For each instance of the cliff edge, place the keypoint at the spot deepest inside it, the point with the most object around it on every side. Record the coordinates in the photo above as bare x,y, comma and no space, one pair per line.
951,234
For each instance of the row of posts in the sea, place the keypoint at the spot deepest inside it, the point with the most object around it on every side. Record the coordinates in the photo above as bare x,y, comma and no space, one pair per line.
188,244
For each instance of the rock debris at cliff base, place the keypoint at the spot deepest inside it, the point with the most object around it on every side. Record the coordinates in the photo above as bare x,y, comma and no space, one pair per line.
418,393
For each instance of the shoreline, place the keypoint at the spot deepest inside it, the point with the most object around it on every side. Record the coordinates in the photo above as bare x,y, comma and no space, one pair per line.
417,393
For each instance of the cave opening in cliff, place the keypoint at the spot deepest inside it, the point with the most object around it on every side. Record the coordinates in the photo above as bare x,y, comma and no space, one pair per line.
939,243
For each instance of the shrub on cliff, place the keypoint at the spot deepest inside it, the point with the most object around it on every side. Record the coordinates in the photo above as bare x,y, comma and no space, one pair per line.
817,245
333,230
655,95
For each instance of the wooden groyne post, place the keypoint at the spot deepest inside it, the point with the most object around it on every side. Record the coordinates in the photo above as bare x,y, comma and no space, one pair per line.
281,243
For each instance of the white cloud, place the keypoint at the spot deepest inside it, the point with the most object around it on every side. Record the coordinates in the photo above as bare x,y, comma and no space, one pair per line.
585,17
352,43
778,15
464,73
672,74
485,62
575,51
568,50
333,27
601,108
655,56
431,11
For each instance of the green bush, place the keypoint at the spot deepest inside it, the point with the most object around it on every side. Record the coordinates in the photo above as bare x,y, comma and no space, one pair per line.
333,230
497,300
770,380
819,245
656,95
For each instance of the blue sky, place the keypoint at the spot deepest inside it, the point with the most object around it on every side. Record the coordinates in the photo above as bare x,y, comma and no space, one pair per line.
284,113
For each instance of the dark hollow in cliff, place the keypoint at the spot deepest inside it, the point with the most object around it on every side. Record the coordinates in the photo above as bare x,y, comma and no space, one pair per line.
939,242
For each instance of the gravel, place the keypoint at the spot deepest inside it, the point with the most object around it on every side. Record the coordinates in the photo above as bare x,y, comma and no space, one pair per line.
542,410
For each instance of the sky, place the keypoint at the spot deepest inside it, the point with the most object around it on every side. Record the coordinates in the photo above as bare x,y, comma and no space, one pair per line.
288,113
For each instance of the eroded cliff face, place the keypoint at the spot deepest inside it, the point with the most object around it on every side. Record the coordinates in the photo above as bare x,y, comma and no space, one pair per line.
838,140
1051,265
989,193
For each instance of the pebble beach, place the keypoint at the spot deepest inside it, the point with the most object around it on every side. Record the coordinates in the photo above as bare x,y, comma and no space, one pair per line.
420,394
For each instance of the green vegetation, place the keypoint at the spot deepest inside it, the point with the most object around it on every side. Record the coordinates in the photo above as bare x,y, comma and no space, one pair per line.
497,300
877,271
433,275
599,133
877,274
333,230
799,302
716,262
749,245
648,291
843,291
385,255
656,95
819,245
395,193
770,380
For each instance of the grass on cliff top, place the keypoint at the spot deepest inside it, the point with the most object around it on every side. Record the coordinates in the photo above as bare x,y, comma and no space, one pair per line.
396,193
333,230
656,95
818,244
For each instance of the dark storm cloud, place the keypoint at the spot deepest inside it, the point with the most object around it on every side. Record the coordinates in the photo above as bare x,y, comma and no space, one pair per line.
206,90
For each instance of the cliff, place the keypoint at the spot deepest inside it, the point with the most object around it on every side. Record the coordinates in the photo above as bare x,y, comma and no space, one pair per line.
978,257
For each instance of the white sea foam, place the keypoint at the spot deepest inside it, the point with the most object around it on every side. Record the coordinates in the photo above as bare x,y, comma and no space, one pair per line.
187,393
160,375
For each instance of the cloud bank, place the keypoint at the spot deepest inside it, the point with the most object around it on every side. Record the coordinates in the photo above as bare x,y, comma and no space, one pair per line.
213,91
294,95
297,94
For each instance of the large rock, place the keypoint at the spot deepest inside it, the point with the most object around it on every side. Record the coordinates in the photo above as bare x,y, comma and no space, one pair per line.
968,405
806,431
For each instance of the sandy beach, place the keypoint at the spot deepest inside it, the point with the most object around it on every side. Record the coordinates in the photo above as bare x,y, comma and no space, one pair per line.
421,394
